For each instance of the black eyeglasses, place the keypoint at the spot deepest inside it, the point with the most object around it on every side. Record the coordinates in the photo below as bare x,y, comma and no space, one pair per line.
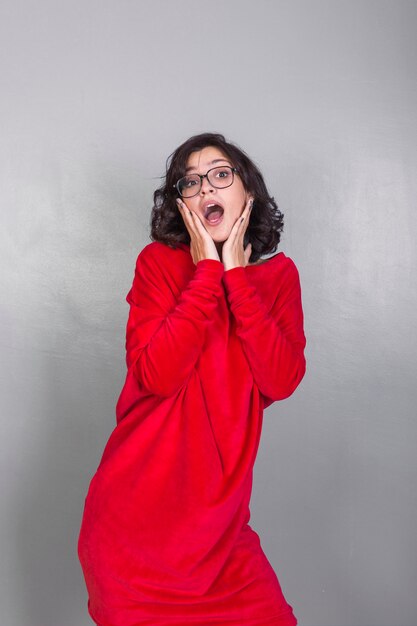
220,177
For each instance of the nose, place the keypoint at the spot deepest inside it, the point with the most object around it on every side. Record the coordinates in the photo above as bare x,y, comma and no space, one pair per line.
205,185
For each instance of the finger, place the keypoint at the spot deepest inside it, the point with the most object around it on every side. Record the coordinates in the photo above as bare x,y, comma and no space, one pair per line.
246,215
186,216
248,251
200,227
196,219
191,228
234,233
183,208
243,221
248,208
246,211
242,225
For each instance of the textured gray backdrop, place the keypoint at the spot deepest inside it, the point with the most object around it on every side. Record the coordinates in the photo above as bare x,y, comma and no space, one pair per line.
322,94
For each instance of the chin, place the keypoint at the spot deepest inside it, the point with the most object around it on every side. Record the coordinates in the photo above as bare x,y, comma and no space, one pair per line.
220,237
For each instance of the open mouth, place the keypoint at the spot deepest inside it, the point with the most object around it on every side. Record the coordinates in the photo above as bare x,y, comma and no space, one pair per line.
213,214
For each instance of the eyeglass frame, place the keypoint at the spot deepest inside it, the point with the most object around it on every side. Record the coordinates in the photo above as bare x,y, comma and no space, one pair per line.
201,176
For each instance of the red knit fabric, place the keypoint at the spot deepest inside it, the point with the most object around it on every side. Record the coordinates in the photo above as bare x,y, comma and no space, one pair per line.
165,538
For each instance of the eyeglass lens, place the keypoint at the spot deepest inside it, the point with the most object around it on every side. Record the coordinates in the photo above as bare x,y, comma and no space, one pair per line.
219,177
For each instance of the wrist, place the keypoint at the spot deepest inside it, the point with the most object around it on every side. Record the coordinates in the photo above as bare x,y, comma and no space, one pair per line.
231,267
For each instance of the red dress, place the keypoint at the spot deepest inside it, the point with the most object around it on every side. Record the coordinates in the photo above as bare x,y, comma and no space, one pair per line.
165,539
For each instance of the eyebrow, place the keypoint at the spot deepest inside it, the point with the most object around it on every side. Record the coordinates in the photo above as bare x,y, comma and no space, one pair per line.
187,169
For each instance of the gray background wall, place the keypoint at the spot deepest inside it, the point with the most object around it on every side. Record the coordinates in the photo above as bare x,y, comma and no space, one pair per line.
322,95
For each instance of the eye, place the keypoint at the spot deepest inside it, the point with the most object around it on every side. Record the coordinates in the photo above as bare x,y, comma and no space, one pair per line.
189,182
222,173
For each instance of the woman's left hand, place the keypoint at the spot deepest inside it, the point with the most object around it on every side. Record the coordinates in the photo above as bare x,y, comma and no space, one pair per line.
233,254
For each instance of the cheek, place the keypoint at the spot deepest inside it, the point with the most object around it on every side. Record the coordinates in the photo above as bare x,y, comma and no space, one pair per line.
237,200
190,203
242,198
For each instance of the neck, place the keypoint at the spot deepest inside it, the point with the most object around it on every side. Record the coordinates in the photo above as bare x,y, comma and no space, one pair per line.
219,247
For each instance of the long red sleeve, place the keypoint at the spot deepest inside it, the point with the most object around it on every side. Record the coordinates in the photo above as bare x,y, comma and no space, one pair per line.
273,341
164,337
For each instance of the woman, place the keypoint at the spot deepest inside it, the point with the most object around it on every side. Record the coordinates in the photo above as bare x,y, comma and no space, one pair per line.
214,335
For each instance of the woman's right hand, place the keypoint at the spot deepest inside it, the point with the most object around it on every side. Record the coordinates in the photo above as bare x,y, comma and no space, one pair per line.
202,245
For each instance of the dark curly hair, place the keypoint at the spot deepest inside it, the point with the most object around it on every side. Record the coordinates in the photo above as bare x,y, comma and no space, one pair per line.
266,220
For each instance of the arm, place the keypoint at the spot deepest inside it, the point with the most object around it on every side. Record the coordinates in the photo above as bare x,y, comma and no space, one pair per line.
165,333
273,341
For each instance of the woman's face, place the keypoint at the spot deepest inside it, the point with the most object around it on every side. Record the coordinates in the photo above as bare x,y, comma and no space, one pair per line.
231,199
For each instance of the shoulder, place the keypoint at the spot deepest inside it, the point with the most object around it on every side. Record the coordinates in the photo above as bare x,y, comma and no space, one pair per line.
288,270
155,250
283,273
158,254
288,280
288,264
280,263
